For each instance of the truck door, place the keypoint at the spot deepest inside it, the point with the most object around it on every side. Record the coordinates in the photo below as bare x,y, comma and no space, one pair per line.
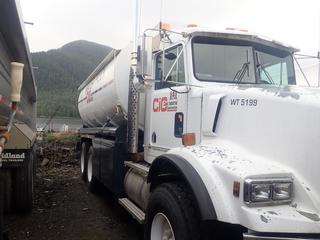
168,101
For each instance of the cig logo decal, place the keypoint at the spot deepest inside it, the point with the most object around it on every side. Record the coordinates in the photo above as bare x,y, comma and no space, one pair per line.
89,94
161,104
173,102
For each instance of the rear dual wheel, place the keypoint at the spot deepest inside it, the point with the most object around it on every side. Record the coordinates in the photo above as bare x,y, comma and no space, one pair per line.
92,182
86,165
83,160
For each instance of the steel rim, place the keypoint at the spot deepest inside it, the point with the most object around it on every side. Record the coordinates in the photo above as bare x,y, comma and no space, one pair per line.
82,158
161,228
89,171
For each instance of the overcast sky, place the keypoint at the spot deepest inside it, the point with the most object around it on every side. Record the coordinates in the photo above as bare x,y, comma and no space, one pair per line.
57,22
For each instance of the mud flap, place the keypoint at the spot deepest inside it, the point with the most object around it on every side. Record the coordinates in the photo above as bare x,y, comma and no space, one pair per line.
6,190
1,209
23,185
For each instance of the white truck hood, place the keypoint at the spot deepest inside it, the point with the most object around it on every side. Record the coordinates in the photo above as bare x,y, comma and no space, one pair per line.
277,124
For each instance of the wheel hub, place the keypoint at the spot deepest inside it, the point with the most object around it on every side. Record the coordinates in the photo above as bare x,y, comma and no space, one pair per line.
89,168
82,161
161,228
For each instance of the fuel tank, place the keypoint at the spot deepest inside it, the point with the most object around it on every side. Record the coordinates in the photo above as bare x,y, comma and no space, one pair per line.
103,95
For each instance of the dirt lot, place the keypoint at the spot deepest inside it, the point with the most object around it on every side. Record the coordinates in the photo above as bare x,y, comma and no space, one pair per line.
64,209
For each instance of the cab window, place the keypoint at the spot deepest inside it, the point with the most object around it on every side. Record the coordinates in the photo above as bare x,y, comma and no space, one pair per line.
170,67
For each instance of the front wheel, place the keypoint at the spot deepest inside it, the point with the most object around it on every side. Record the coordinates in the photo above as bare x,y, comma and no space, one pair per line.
171,214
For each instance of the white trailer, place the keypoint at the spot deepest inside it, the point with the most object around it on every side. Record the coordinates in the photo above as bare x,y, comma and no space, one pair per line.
228,146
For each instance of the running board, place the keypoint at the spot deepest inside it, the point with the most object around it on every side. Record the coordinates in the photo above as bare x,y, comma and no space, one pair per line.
133,209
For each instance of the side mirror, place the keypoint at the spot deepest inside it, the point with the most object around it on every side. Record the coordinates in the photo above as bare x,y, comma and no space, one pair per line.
144,67
16,81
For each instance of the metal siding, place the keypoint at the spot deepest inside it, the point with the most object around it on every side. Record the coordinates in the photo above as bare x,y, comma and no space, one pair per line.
5,59
13,47
106,161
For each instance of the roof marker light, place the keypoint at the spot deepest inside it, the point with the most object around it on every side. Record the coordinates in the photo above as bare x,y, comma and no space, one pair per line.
192,25
165,26
236,29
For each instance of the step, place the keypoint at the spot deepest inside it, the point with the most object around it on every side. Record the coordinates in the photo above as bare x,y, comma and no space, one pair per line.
133,209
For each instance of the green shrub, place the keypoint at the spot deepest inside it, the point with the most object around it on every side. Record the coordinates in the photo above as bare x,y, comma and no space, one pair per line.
50,137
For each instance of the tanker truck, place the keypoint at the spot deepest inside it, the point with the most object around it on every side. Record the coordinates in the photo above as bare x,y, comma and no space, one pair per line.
17,111
204,134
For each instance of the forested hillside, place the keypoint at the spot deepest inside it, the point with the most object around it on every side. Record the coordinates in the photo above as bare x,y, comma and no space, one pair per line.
59,73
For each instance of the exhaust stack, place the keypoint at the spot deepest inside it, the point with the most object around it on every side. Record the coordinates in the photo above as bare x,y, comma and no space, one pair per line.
133,99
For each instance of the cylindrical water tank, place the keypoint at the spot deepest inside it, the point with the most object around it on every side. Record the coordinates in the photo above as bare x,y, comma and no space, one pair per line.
104,95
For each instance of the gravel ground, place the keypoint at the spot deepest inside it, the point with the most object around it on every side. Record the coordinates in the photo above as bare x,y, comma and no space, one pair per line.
64,209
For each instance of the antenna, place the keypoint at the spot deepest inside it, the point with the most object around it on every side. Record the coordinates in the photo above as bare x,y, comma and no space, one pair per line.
161,7
319,48
319,65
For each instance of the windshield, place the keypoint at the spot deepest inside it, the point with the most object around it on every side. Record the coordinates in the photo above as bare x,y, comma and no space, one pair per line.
222,60
272,69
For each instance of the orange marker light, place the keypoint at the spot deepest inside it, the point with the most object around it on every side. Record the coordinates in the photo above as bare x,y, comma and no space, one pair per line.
236,29
165,26
277,42
192,25
189,139
236,189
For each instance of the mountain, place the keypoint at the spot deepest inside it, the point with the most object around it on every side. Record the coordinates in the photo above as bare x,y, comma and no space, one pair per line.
59,73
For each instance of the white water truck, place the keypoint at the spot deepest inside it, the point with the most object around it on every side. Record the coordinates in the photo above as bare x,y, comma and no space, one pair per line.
215,142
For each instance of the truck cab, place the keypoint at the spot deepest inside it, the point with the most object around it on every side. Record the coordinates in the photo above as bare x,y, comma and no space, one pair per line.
229,142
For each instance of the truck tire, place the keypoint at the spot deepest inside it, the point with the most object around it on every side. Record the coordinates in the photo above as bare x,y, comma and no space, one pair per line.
84,160
6,175
171,214
1,208
92,182
23,186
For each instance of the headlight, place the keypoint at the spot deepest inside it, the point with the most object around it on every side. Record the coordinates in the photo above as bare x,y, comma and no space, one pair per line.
268,191
282,191
260,192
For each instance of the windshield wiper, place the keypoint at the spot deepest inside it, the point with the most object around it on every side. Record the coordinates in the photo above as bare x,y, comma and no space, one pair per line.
240,74
259,66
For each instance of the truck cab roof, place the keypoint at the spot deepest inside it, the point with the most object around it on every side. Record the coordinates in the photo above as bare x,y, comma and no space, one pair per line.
239,35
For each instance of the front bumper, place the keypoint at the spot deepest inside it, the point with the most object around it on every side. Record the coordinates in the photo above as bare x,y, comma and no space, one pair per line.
254,236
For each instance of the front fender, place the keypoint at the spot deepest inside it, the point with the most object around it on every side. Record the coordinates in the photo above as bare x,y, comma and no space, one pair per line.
167,164
220,167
